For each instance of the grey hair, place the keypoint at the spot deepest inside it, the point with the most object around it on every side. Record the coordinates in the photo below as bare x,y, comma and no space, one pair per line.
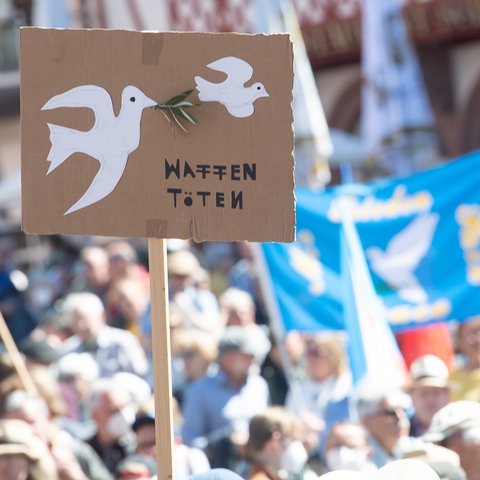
22,400
86,301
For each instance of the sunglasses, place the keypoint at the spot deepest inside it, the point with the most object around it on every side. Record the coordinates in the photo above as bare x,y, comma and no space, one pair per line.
189,354
387,412
317,352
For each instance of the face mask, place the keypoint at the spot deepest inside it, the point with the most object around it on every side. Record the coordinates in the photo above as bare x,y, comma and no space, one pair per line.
119,423
294,457
346,458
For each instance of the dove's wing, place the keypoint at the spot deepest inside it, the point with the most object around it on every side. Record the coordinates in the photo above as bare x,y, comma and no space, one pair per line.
104,182
87,96
238,71
415,238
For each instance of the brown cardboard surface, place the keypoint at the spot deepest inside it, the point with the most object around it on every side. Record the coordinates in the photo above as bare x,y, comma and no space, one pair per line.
171,185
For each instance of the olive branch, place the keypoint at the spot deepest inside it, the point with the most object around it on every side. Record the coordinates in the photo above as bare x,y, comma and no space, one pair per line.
176,107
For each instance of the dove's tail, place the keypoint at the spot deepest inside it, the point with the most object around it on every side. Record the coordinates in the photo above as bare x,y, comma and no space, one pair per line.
64,142
205,90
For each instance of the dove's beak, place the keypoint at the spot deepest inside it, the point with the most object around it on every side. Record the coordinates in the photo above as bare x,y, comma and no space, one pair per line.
149,102
265,94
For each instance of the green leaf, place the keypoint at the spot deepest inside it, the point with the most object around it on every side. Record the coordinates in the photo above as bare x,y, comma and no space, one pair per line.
176,106
182,113
179,98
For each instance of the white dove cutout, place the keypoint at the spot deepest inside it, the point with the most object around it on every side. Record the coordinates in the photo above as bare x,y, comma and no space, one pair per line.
231,93
396,265
110,140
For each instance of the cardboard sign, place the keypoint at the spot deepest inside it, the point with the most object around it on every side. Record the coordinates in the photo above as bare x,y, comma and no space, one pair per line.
97,159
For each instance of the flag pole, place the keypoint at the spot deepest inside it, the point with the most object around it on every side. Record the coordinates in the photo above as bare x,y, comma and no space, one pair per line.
16,358
278,330
157,260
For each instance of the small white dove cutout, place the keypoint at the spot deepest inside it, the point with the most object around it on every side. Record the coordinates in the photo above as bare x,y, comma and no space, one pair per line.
110,140
397,264
231,93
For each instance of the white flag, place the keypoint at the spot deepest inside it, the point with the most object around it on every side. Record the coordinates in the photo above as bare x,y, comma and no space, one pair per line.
313,144
397,123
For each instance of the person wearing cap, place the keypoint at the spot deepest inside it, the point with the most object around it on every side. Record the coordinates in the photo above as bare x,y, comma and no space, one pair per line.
457,427
218,406
428,389
22,455
465,379
187,460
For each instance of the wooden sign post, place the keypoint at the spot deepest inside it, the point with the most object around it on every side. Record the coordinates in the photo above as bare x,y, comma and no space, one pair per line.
157,135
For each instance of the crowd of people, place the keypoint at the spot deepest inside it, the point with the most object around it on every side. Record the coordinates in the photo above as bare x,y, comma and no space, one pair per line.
245,400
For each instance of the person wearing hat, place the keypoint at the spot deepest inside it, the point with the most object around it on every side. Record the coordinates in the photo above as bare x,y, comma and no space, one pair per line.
457,427
429,391
22,455
218,406
187,460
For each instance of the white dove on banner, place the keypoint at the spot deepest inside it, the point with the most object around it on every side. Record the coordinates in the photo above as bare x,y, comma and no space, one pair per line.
110,140
231,93
397,264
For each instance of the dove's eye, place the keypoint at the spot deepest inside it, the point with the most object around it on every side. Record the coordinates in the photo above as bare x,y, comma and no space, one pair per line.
259,87
132,99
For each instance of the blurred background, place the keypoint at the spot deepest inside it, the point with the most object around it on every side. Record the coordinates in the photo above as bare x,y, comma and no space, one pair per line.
445,35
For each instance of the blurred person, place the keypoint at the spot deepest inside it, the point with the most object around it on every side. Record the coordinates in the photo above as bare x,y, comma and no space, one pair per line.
187,460
275,446
465,379
114,349
404,469
238,309
197,351
54,327
383,415
123,262
429,391
127,302
448,471
272,370
23,456
347,448
41,376
457,427
244,275
95,276
218,406
113,410
136,466
200,305
74,459
76,373
13,283
218,258
323,398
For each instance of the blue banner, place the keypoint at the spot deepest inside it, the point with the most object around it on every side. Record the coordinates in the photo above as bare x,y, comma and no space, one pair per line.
421,239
